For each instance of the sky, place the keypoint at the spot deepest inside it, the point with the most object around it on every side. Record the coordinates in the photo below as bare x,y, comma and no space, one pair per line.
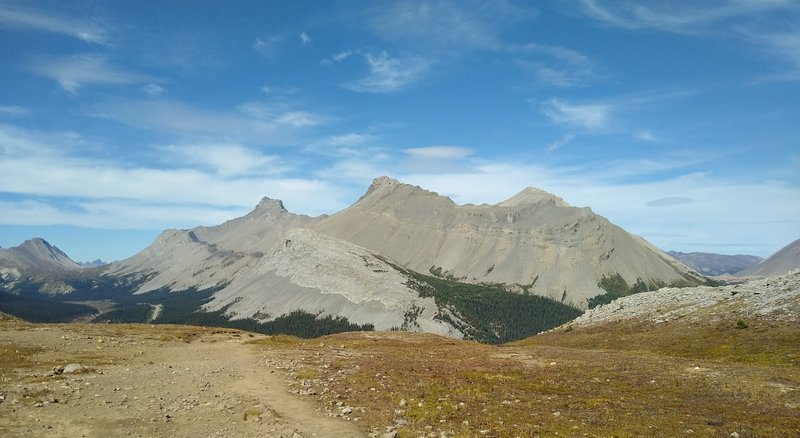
678,121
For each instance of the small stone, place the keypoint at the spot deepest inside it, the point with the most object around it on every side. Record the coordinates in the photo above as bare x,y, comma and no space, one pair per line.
73,368
346,410
391,434
734,434
38,405
403,403
556,414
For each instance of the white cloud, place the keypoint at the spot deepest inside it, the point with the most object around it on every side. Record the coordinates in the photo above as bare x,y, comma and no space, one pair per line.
387,74
561,142
445,25
588,116
26,19
257,122
226,176
225,159
647,135
300,119
350,139
74,71
679,17
268,89
555,65
153,90
267,45
337,57
12,110
305,39
752,21
439,152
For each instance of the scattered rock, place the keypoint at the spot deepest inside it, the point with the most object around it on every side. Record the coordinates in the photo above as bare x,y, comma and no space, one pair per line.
73,368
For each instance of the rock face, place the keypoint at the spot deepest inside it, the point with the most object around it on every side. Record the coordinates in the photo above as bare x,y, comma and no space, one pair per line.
268,263
773,299
534,241
783,261
33,257
716,264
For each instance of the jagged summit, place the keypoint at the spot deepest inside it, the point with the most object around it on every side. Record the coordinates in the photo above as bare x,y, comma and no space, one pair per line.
270,205
532,195
389,190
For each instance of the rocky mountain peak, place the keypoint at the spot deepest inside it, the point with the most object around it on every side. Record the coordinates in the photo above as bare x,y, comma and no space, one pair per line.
40,247
386,189
532,195
270,205
37,255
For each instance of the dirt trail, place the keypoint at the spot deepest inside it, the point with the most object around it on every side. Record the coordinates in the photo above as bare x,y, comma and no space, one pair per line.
145,383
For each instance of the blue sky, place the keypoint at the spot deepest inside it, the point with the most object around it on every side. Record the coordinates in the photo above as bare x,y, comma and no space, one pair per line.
679,121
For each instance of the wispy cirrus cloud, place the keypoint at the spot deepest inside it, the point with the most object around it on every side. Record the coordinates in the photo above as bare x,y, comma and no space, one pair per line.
13,110
591,116
555,65
647,135
446,25
679,17
267,45
208,177
73,72
225,159
305,39
153,90
742,20
36,20
259,122
561,142
387,74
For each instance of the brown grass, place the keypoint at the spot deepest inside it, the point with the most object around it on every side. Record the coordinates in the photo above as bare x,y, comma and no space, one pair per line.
612,382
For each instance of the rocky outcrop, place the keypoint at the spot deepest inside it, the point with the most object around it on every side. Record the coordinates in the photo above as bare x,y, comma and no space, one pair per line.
773,299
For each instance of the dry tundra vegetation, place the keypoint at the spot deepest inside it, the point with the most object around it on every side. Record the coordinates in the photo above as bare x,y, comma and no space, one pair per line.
728,378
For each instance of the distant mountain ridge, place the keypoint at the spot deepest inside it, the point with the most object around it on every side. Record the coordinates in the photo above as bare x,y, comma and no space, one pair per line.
533,241
782,262
716,264
35,256
401,257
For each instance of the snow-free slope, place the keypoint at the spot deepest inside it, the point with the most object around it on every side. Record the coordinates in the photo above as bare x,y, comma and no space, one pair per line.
782,262
267,264
534,241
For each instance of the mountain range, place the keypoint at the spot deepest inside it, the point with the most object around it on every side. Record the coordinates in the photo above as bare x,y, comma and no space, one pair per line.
401,258
716,264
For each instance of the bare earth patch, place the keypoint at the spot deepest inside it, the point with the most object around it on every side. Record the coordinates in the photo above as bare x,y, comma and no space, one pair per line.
146,381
